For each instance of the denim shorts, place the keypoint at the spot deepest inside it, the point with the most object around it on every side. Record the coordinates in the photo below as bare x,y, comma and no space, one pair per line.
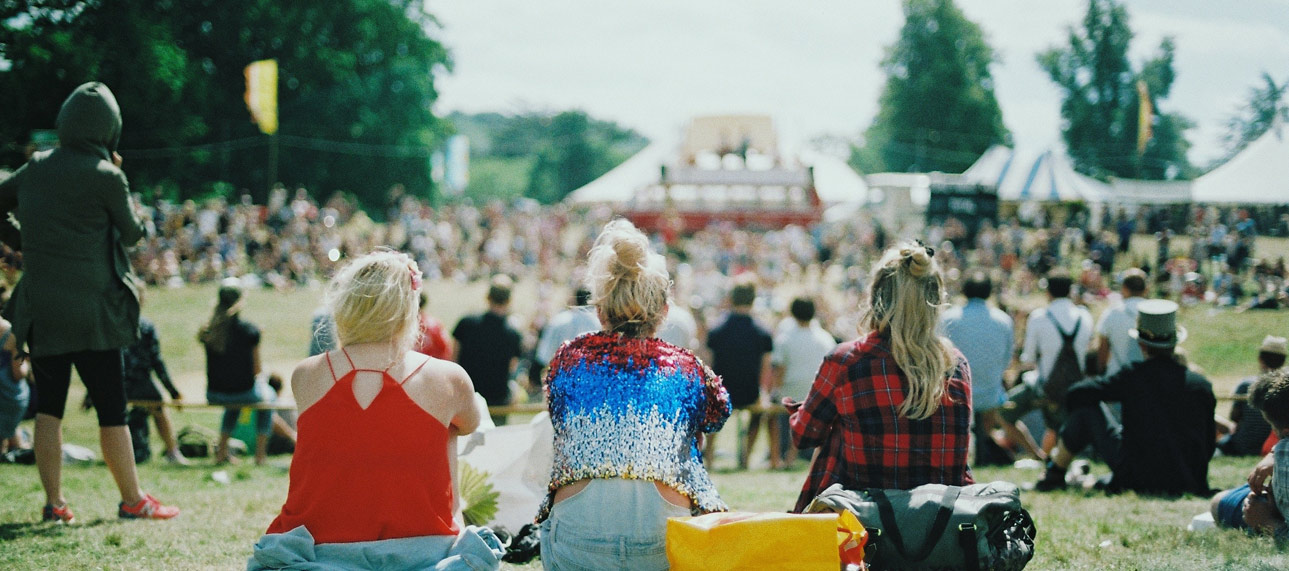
260,393
1230,509
611,524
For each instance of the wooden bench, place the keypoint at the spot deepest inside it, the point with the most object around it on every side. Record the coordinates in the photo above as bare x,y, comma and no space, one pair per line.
203,405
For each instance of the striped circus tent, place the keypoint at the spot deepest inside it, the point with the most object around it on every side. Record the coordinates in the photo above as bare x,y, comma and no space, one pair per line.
1026,176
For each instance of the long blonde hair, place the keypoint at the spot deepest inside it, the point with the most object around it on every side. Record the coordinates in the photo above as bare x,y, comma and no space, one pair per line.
628,280
374,299
905,297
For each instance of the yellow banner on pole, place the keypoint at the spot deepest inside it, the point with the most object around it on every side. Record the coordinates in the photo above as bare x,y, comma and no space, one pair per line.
1145,114
261,94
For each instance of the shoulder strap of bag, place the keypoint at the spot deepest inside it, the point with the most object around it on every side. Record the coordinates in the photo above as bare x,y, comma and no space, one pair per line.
942,515
1066,336
967,541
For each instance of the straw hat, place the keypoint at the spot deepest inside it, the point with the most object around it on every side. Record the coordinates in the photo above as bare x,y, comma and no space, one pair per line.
1273,344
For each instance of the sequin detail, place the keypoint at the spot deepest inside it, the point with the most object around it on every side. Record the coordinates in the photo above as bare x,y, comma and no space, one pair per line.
633,408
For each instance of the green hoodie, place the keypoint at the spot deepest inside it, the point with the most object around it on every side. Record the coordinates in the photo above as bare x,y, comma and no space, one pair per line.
77,292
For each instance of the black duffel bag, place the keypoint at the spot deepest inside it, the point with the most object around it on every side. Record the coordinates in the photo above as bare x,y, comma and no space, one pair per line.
981,526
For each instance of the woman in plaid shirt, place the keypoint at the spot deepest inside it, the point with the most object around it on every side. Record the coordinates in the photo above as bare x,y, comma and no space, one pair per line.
891,409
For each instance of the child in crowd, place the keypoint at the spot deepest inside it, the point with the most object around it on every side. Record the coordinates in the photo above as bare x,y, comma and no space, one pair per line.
1255,506
142,359
14,393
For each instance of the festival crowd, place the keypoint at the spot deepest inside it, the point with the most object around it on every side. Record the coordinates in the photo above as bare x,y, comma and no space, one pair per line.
649,361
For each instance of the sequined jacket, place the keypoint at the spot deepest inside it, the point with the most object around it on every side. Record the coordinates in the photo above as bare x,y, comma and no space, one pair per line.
633,408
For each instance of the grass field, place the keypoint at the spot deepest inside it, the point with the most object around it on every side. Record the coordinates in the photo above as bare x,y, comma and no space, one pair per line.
221,521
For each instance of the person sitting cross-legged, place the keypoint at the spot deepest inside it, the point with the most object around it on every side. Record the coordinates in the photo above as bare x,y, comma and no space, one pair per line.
1165,441
891,409
628,412
1255,505
372,482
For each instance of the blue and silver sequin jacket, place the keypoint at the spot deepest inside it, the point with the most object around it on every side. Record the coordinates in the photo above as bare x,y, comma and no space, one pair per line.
625,407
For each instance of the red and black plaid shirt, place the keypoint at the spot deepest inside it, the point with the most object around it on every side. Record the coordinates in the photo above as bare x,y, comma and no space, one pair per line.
852,412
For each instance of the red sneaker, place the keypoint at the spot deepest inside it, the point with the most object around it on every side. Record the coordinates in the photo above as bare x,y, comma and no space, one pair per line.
58,515
147,508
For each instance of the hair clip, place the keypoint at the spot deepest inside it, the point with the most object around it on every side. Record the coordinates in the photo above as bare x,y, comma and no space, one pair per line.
930,252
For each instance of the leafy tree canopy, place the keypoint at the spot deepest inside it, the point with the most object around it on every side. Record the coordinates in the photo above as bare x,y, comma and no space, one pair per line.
1266,103
938,111
1101,103
556,152
356,86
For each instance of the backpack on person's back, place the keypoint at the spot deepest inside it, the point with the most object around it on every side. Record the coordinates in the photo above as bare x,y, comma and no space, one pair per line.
1067,370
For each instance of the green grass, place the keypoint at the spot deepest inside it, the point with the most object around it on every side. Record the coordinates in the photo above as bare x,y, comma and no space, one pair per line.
221,522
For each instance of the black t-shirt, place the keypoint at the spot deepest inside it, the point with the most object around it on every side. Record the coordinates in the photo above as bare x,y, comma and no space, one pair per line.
233,371
738,346
487,345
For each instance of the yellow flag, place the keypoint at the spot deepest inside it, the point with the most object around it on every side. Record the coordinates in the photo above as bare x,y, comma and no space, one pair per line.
261,94
1145,112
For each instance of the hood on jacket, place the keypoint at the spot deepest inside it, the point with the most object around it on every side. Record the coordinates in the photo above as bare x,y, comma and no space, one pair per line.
90,120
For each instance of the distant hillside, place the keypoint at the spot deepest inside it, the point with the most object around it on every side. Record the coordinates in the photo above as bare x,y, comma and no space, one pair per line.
540,155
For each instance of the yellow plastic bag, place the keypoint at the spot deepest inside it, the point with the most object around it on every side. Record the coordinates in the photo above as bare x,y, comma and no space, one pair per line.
745,540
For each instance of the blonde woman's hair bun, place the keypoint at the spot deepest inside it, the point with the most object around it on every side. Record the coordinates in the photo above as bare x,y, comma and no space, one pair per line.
630,255
627,279
920,262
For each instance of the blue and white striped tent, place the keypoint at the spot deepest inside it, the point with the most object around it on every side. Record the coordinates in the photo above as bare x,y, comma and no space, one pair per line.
1026,176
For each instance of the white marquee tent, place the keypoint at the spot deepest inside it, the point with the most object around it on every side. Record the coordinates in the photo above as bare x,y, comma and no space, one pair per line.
619,184
1024,175
1255,176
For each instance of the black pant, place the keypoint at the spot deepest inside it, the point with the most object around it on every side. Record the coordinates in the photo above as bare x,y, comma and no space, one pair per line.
988,452
1094,426
101,371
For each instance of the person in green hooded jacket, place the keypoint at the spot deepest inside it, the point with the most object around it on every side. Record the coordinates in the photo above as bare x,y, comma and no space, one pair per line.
77,303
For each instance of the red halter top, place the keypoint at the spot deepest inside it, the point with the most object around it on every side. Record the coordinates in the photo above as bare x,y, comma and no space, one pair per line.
367,474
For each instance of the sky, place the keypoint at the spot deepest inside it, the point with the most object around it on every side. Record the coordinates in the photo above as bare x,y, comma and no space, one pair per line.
813,66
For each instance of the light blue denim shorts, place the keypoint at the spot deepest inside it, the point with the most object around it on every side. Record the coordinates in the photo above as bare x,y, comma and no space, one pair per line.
259,393
612,523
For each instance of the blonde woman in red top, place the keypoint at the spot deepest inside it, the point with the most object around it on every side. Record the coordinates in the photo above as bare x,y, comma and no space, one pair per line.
372,479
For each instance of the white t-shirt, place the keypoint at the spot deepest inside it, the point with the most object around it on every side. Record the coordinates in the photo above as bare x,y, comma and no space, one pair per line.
679,328
1114,325
800,351
1043,342
565,326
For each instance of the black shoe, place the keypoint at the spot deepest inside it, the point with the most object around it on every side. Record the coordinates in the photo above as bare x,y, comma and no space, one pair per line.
525,547
1053,479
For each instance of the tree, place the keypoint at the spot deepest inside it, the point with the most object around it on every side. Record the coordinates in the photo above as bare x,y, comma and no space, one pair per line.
540,154
356,86
1101,100
938,110
1266,104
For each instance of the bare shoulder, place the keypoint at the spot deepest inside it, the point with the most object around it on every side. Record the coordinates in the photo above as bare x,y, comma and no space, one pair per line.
437,375
310,380
440,387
